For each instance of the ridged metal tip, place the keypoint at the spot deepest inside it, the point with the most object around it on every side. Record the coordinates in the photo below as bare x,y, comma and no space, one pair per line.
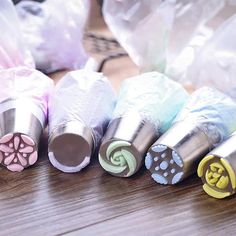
218,170
176,154
21,125
70,146
125,143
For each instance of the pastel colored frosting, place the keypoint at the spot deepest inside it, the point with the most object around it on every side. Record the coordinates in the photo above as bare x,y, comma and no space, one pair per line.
18,151
154,97
120,158
218,176
212,111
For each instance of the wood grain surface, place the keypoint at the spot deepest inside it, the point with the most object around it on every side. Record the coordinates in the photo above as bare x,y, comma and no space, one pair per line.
44,201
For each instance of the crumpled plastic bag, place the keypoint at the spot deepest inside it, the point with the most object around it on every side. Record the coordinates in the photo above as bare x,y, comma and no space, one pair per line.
212,111
53,31
178,68
23,98
154,32
215,63
154,96
85,96
26,83
19,79
13,51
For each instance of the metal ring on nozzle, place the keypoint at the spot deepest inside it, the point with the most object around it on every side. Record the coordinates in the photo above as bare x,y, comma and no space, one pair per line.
218,170
70,146
125,143
21,125
176,154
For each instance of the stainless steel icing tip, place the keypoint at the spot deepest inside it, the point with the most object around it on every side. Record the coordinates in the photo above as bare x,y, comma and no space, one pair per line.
218,170
125,144
70,146
176,154
21,125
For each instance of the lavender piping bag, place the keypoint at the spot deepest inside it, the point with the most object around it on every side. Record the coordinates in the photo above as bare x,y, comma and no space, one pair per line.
23,113
146,106
13,51
53,24
205,121
23,97
79,111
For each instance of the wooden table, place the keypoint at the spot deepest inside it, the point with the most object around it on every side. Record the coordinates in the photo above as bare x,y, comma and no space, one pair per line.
44,201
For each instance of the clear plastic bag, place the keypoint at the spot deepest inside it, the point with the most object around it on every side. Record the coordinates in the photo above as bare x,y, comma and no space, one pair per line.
154,32
154,96
178,68
13,51
23,98
212,111
215,63
19,79
85,96
26,83
231,2
53,31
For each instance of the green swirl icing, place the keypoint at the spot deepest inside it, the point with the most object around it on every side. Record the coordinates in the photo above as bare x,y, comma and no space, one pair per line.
119,160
